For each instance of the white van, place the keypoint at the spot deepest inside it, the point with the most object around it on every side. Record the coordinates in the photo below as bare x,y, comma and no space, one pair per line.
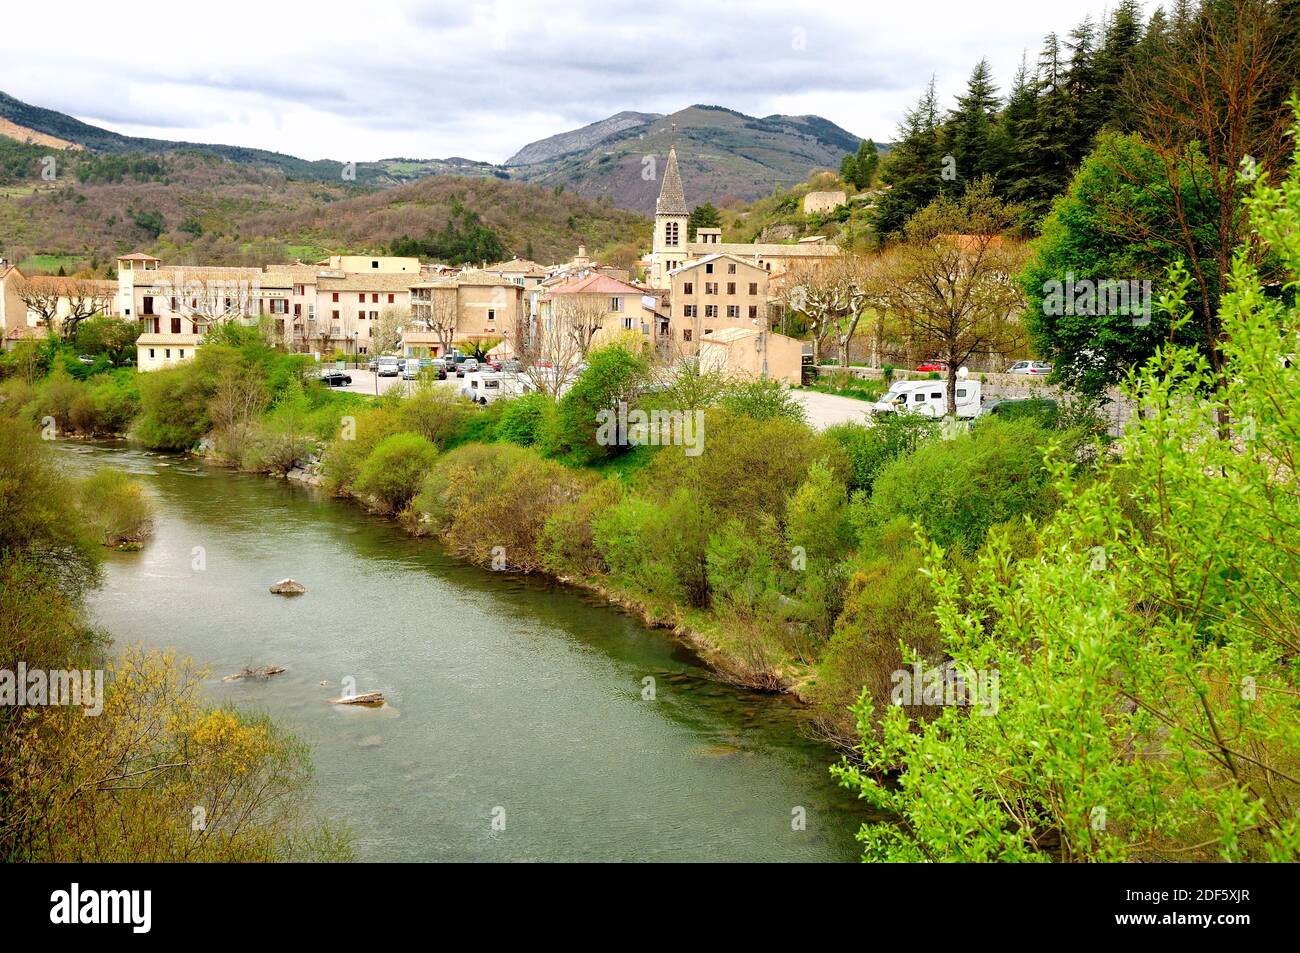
929,399
493,385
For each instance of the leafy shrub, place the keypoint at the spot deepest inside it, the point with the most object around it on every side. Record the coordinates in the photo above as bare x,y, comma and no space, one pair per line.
393,471
869,449
762,400
436,414
657,550
524,419
613,374
352,444
568,544
492,502
958,488
887,602
173,408
746,468
114,507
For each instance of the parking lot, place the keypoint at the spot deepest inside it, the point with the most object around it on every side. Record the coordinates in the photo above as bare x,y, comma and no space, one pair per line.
824,410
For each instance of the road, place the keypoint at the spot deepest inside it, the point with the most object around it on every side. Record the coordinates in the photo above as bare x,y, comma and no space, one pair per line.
824,410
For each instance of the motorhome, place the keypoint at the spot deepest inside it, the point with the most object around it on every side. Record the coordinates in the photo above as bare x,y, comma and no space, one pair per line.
929,398
485,388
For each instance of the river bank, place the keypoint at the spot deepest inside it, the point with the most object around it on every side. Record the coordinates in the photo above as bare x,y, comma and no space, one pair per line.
505,690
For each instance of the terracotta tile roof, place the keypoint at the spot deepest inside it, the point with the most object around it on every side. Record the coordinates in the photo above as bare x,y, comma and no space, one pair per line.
183,274
379,281
595,284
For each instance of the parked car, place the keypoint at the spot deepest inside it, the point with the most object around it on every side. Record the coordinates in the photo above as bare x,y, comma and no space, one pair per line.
411,369
495,364
929,399
373,365
511,366
932,366
333,378
388,367
471,365
1016,408
1030,368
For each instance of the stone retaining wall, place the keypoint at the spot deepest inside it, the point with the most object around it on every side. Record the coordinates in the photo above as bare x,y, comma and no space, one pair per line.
1116,409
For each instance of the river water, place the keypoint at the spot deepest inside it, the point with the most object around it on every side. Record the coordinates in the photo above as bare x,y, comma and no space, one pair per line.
509,699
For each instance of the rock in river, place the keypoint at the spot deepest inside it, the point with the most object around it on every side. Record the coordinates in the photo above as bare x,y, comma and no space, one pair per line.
288,587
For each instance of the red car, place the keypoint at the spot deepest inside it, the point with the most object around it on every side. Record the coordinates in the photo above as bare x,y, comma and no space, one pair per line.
495,364
932,366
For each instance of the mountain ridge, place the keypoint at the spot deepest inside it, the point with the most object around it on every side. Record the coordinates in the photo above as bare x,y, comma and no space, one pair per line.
726,155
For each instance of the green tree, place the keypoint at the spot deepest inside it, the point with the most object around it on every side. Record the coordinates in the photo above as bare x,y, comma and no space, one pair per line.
1110,227
972,130
1147,702
703,216
913,167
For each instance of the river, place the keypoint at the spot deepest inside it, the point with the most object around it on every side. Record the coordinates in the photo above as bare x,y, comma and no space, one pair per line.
509,699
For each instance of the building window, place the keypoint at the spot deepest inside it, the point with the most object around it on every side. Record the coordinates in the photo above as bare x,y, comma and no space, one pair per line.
616,304
148,304
753,287
670,234
181,352
336,296
167,353
733,310
688,311
361,315
708,269
686,334
151,354
627,323
173,305
492,314
298,290
710,310
731,268
688,288
362,297
334,315
374,264
374,298
390,299
176,325
710,287
374,315
731,287
753,312
297,311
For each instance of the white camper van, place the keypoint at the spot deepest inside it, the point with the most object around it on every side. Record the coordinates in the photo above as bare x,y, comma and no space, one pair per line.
929,398
485,388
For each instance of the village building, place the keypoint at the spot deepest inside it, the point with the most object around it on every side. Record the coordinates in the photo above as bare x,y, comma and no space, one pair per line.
751,354
671,247
602,309
469,307
711,293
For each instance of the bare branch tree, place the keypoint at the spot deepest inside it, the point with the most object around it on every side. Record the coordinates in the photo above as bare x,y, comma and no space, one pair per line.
950,283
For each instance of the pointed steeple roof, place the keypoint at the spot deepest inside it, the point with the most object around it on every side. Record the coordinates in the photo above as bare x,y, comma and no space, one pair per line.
671,199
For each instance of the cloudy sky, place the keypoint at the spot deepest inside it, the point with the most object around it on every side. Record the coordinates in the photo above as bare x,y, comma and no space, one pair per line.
360,81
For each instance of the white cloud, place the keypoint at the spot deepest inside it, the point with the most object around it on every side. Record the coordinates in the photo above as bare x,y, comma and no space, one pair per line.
346,80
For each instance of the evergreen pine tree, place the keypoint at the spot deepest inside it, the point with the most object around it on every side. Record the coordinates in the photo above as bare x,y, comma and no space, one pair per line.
912,169
972,128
